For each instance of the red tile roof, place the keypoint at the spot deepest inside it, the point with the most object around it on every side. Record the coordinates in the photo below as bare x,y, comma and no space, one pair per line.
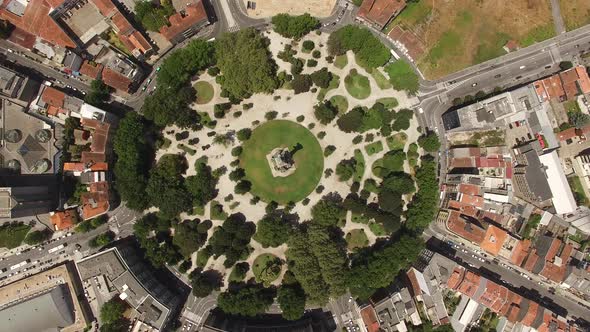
53,97
370,318
575,81
475,201
470,284
569,133
380,12
462,162
91,70
520,252
36,21
550,88
96,201
63,219
466,230
469,189
115,79
100,133
531,261
556,265
494,240
22,38
456,277
194,13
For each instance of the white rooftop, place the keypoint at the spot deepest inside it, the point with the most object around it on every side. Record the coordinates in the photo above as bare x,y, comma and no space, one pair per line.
563,199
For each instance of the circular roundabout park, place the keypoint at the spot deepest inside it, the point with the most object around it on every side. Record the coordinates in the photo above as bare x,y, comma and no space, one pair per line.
273,178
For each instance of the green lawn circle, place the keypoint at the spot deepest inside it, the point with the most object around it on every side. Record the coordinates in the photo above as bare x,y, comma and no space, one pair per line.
204,92
357,85
261,273
309,161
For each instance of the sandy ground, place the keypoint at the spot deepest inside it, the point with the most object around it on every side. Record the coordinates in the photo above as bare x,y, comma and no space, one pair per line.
268,8
289,107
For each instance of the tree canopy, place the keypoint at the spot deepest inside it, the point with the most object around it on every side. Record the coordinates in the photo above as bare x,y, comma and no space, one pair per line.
111,315
402,76
294,26
188,237
369,50
246,64
202,186
166,189
422,209
99,93
291,299
132,164
152,16
232,238
249,300
36,237
328,211
377,268
272,230
325,112
429,142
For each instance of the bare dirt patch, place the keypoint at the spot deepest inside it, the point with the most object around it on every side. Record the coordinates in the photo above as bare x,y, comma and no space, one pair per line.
268,8
575,13
461,33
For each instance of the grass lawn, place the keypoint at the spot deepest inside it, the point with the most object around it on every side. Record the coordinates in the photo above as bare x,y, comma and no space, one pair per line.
217,212
340,102
377,229
402,76
356,238
340,61
309,161
359,218
572,106
360,165
578,190
397,141
204,92
186,149
575,13
374,148
266,268
199,210
114,40
538,34
12,235
382,81
371,185
334,83
207,121
388,102
357,85
202,257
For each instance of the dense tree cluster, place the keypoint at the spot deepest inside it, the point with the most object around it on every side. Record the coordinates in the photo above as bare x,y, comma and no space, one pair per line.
111,316
153,235
378,267
170,103
389,220
328,211
166,189
132,165
301,83
273,229
402,76
190,235
231,239
294,26
359,119
325,112
238,273
401,119
102,239
322,78
249,300
152,16
202,186
202,284
346,169
429,142
246,64
423,207
369,50
392,161
392,188
291,299
36,237
99,93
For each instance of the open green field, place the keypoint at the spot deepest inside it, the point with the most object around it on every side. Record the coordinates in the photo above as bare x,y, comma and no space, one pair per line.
397,141
360,165
204,92
380,79
388,102
357,85
374,148
461,33
309,161
266,268
12,235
